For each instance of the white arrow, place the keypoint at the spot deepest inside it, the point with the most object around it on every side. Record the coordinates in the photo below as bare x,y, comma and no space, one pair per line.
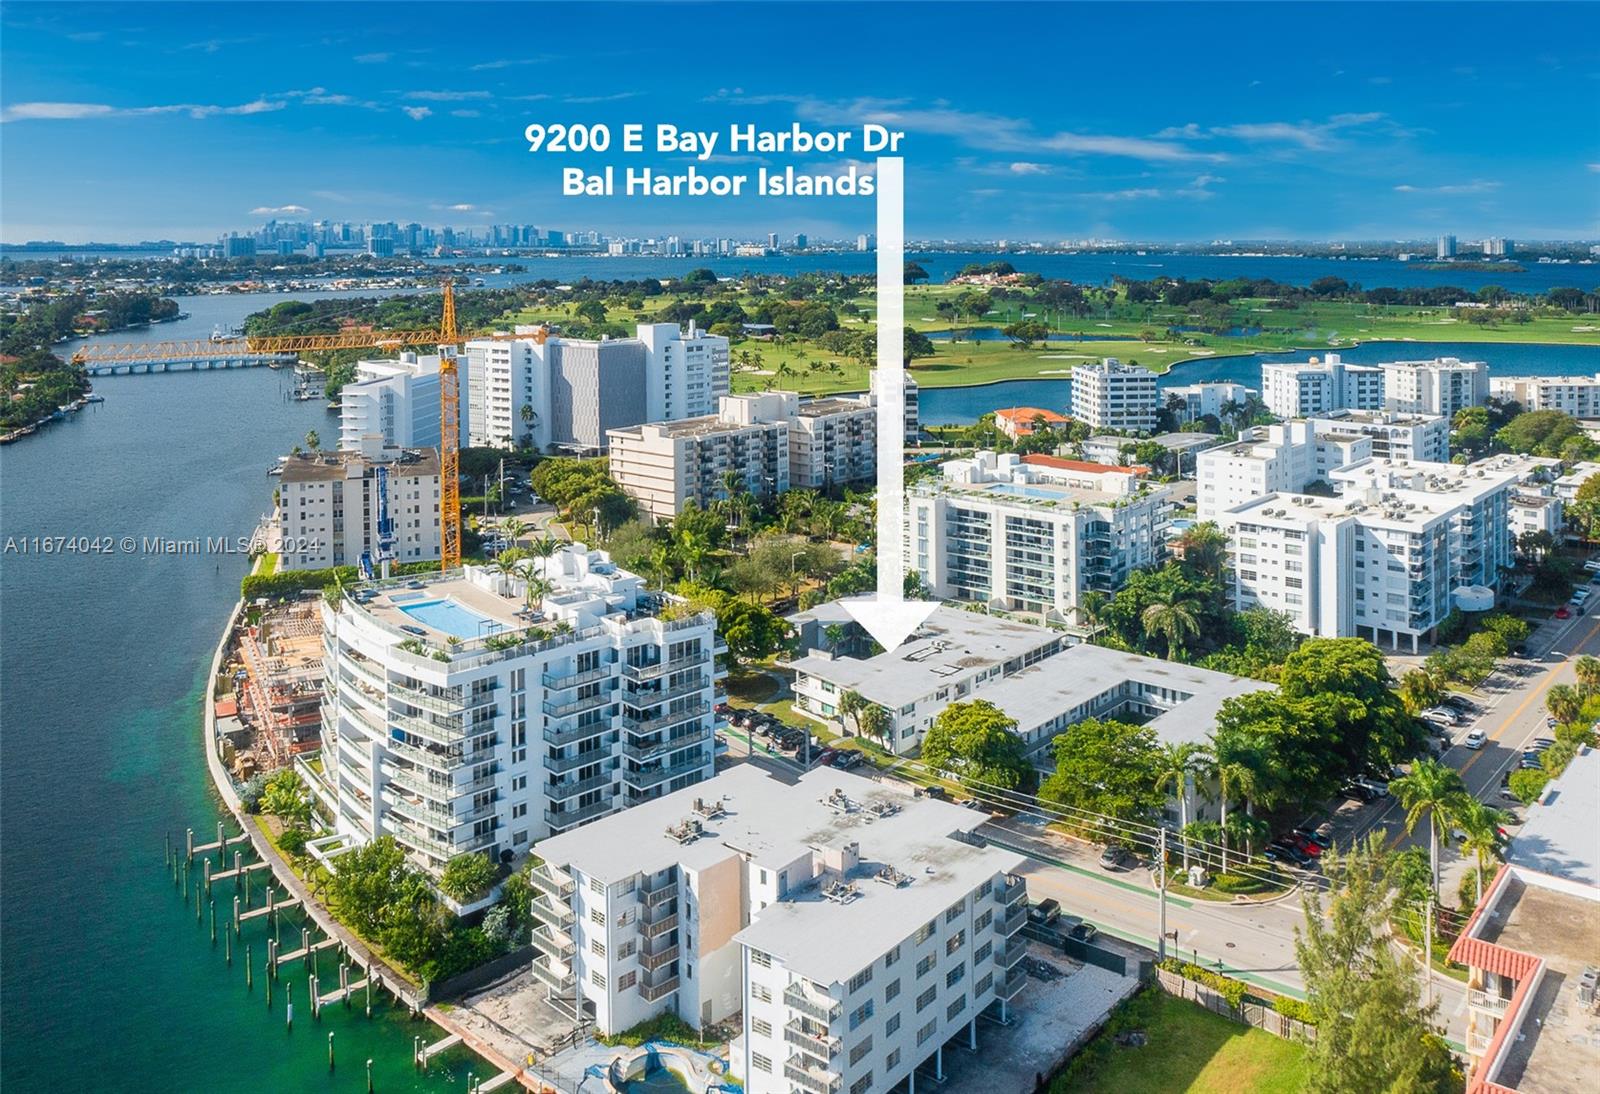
888,616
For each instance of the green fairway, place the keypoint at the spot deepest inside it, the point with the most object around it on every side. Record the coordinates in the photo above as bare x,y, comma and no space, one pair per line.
1187,1049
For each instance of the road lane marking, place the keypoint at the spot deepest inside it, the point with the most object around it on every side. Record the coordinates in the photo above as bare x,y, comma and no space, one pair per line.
1550,679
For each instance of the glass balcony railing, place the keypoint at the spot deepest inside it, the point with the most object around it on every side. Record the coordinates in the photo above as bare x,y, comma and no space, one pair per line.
824,1010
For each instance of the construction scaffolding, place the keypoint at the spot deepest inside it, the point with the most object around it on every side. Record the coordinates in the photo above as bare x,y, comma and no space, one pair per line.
280,685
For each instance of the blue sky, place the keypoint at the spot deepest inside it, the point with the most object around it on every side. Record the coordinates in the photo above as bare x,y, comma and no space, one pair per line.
1143,121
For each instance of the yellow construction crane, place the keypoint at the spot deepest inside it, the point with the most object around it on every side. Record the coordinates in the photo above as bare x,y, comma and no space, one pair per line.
449,437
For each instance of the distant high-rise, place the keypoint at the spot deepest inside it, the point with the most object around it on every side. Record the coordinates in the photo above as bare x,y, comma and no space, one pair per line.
1447,247
864,242
800,241
238,246
1496,247
772,240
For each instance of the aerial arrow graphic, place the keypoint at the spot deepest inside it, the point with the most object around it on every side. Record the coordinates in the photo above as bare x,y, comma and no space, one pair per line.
888,616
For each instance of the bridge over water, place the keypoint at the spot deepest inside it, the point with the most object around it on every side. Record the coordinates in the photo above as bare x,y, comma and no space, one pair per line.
201,355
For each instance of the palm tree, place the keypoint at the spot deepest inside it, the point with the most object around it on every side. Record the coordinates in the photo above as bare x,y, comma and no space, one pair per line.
1246,829
1437,792
661,563
1481,825
851,704
1588,672
1092,605
1175,763
546,546
1564,703
514,529
1178,621
835,635
536,587
1206,833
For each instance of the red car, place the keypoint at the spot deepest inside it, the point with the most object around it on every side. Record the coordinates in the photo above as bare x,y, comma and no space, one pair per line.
1563,613
825,757
1309,846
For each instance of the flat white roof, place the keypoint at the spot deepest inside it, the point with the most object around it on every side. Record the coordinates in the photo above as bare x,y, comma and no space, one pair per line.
952,645
1562,834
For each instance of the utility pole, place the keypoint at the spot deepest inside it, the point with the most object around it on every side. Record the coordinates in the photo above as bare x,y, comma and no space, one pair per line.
1427,948
1161,930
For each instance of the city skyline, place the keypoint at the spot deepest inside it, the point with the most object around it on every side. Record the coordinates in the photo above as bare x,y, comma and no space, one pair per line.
212,119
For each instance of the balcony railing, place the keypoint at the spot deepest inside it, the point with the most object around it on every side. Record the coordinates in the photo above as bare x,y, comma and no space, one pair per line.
797,1069
664,891
552,881
563,791
556,943
825,1010
568,817
652,992
1007,956
561,982
1012,891
650,672
1014,920
556,913
1482,1000
564,681
559,765
558,737
650,698
578,706
819,1045
662,721
659,927
657,960
1012,984
657,749
654,776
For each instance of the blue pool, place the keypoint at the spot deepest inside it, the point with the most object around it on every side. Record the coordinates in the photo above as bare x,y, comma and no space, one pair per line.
451,618
1027,491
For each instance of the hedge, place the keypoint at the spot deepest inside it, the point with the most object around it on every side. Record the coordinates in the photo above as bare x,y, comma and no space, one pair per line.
1230,989
287,583
1298,1009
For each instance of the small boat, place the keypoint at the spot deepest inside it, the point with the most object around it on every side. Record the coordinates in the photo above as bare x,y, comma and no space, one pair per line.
93,398
275,469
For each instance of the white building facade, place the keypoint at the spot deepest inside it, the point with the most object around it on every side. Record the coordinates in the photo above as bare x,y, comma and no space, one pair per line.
1320,385
1578,396
1423,438
329,504
686,371
1269,459
1200,400
396,401
1111,395
1441,386
465,712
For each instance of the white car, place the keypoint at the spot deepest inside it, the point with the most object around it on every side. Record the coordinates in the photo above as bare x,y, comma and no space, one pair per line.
1476,739
1442,715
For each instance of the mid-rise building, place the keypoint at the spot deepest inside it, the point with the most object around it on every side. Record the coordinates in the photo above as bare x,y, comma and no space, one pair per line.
550,392
1566,487
329,504
1319,386
1441,386
1498,247
774,440
1578,396
1389,557
1415,437
481,711
1271,459
394,400
913,416
1446,247
1111,395
1033,533
1220,399
854,928
1530,947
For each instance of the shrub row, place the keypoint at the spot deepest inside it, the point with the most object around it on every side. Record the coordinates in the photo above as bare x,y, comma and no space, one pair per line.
287,583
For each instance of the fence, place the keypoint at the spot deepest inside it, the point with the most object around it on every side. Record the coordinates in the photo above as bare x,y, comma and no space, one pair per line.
1086,952
1251,1013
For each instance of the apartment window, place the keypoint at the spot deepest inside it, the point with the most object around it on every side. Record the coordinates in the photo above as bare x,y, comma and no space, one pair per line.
955,1008
860,1050
762,1027
891,991
597,980
924,965
757,957
891,957
982,953
598,948
761,993
626,949
597,917
983,985
924,933
926,999
760,1062
892,1026
927,1031
954,942
953,913
627,980
861,1014
985,889
861,1085
861,979
953,977
983,922
597,886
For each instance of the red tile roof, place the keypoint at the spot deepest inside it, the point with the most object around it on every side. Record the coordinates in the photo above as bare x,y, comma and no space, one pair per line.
1081,465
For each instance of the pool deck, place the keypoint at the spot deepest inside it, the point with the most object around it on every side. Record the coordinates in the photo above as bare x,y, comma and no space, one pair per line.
387,607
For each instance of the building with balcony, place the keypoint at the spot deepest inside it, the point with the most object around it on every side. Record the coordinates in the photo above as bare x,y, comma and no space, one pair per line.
1441,386
1578,396
1320,385
1111,395
1219,399
1416,437
476,711
1033,533
1270,459
833,441
1388,556
1532,949
329,504
1566,486
852,927
395,401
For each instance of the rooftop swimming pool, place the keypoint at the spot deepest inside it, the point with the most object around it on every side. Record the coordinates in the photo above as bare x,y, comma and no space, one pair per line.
451,618
1040,492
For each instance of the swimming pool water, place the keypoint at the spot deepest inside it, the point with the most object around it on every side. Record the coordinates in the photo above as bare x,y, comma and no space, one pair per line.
1027,491
451,618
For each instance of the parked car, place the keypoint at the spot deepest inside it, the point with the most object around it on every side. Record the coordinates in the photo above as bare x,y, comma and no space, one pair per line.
825,757
1291,852
1441,714
848,758
1306,844
1563,613
1379,788
1539,744
1476,739
1593,565
1357,791
1115,858
1458,702
1321,835
1083,932
1531,762
1045,912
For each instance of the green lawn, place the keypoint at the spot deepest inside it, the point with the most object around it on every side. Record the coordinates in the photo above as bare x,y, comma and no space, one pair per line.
1188,1049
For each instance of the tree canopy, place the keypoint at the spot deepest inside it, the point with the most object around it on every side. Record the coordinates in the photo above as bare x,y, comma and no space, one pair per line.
976,741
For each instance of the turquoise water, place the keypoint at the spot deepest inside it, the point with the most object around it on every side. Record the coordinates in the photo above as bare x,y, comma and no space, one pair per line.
106,981
451,618
1025,491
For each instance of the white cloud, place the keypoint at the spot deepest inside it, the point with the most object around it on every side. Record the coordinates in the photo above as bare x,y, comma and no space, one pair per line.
372,58
1313,136
1022,167
50,111
446,96
279,210
614,97
463,207
1595,167
466,114
416,113
1476,186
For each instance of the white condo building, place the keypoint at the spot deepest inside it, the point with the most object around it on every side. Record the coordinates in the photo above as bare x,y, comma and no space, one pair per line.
1578,396
1421,438
329,505
546,390
1111,395
913,412
1320,385
395,400
464,712
1209,398
1389,557
1271,459
855,928
774,440
1033,533
1441,386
